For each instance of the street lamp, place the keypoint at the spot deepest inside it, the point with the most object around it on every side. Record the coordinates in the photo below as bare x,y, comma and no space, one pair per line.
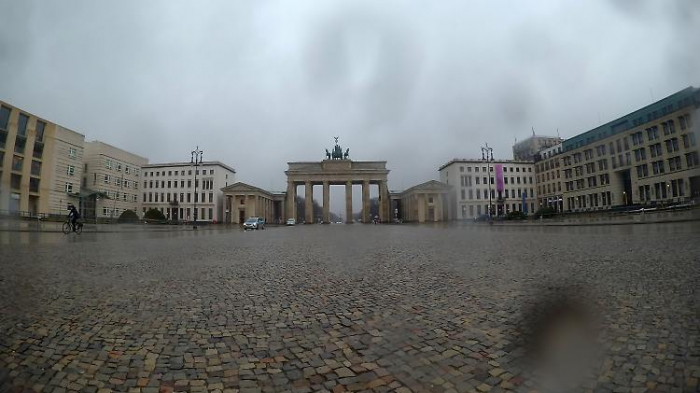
196,160
487,155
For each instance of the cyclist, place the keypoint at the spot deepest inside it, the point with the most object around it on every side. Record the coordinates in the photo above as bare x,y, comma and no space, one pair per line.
73,216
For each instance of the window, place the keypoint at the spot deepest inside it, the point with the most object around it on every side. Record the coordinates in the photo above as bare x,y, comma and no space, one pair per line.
4,117
170,173
640,154
70,170
127,170
69,187
652,133
40,125
71,152
658,167
211,215
169,184
20,144
22,124
211,197
182,184
33,184
478,179
672,145
692,159
17,163
38,150
674,163
642,171
464,196
211,171
15,181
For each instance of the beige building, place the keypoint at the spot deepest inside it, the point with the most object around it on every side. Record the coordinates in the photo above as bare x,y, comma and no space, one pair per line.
548,169
40,164
173,189
111,181
647,157
425,202
243,201
511,185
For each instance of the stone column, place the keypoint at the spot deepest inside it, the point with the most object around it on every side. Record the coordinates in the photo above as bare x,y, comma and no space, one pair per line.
365,202
348,202
291,196
384,205
326,202
421,207
309,196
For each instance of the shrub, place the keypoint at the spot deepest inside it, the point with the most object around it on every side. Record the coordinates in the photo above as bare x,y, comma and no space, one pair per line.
154,214
545,212
128,216
516,215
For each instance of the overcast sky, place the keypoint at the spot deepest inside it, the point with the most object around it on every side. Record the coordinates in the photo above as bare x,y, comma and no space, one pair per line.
259,83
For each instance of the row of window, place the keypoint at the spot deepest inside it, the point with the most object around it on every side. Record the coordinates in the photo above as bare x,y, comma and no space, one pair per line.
166,197
466,180
507,208
120,195
107,212
118,166
182,173
590,200
661,190
507,193
22,123
185,213
505,169
637,138
207,184
118,181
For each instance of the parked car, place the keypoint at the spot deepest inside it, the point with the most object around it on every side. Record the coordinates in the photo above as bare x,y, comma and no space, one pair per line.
254,223
481,217
291,222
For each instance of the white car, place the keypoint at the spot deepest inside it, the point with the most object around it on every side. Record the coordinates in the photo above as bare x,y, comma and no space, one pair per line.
291,222
254,223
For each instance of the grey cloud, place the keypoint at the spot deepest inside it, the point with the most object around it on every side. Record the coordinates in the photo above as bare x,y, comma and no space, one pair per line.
415,84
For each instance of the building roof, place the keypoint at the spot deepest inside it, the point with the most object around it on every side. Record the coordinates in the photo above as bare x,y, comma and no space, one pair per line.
676,101
244,187
480,161
188,164
430,185
114,147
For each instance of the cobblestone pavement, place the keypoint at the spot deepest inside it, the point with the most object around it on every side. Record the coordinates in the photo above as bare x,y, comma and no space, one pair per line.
354,308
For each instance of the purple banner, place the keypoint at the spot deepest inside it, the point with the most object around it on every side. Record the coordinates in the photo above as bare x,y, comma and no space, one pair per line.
499,178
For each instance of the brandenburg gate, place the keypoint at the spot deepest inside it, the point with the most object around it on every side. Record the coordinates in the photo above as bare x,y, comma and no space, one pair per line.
337,169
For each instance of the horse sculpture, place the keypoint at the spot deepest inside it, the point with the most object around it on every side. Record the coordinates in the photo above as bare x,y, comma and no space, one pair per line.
337,153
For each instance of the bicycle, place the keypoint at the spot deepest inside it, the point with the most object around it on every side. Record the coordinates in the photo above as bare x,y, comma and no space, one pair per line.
68,228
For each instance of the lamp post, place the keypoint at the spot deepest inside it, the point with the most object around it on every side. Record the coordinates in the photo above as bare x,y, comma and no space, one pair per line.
196,160
487,155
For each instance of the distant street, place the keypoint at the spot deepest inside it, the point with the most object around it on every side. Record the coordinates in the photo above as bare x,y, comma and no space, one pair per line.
401,308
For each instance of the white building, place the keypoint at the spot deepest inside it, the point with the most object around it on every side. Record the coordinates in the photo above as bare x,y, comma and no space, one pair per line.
510,183
114,174
170,188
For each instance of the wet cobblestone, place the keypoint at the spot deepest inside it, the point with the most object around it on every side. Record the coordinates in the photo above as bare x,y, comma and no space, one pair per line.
350,308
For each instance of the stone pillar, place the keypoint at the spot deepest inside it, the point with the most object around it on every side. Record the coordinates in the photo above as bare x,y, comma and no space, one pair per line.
326,203
348,202
384,205
365,202
291,196
309,196
421,207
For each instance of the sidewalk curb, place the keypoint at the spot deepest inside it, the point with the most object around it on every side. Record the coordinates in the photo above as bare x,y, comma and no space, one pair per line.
592,224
